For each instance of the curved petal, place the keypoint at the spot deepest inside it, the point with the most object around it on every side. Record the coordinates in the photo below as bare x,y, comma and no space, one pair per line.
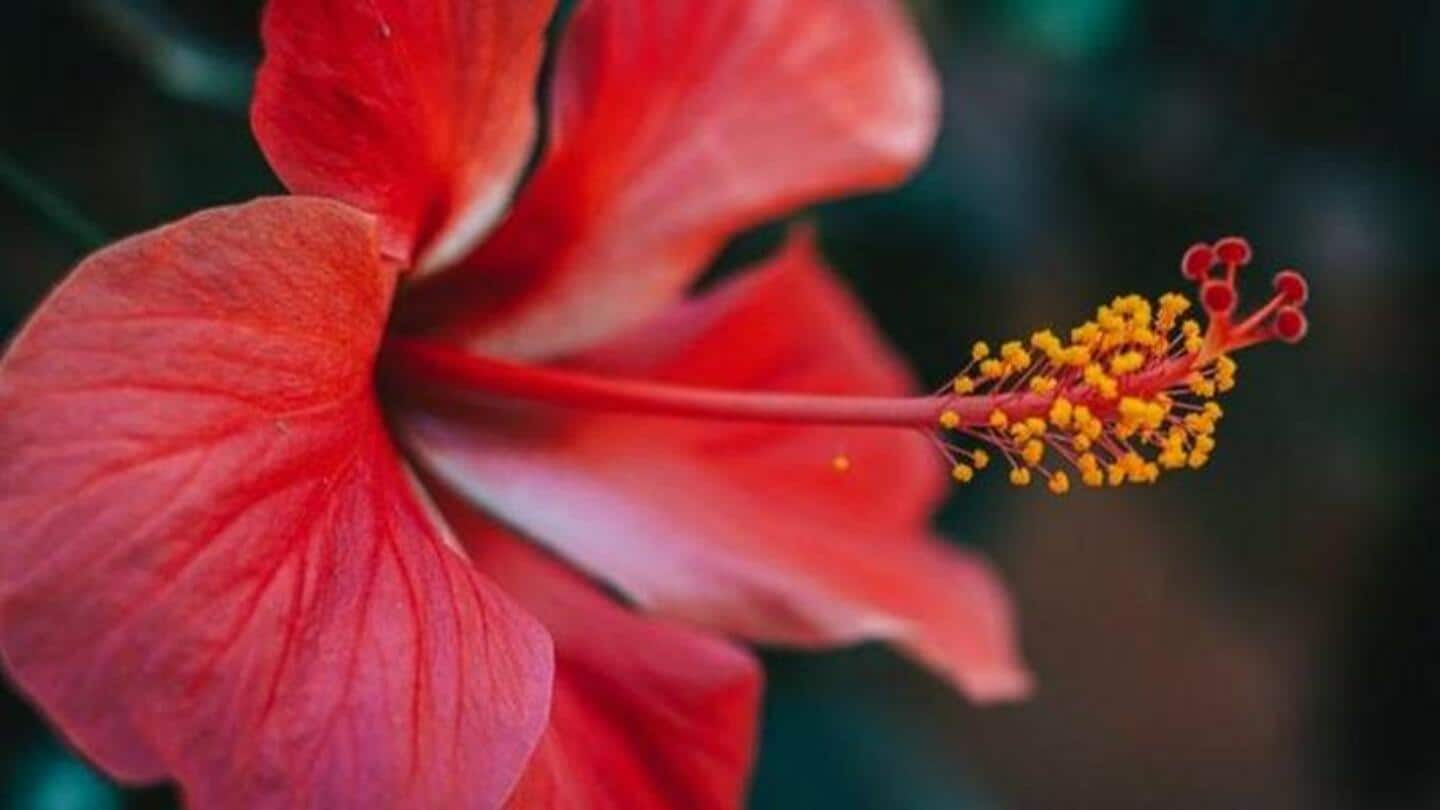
676,124
213,565
745,528
422,113
646,714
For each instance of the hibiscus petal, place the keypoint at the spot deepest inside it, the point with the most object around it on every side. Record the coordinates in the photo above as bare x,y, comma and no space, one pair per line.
422,113
676,124
213,565
645,713
745,528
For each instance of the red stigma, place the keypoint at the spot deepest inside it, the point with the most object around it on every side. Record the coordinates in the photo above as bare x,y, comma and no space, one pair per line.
1233,251
1293,287
1281,318
1291,325
1218,298
1197,262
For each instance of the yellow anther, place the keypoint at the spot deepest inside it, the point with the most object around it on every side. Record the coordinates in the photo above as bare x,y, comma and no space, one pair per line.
1115,475
1194,342
1126,362
1077,356
1087,462
1199,423
964,385
1172,458
1198,460
1172,306
1020,432
1086,334
1060,483
1132,408
979,351
1036,425
1015,356
1045,341
1109,320
840,464
1042,385
1200,386
1082,442
1061,412
998,419
1092,478
1020,477
980,459
1205,444
962,473
1033,452
949,419
1214,411
993,369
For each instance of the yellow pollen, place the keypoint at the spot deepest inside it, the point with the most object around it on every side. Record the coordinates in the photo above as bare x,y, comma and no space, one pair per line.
1042,385
1015,356
1129,396
1126,363
1033,452
1060,483
1045,341
1061,412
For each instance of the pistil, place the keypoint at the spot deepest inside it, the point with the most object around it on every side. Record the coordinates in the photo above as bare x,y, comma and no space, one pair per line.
1135,377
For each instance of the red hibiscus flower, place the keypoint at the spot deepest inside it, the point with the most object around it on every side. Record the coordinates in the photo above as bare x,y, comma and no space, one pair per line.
310,501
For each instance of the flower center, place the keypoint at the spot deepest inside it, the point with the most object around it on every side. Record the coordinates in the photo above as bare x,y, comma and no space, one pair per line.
1127,395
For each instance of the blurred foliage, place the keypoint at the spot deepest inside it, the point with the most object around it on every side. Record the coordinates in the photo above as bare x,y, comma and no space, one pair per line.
1263,635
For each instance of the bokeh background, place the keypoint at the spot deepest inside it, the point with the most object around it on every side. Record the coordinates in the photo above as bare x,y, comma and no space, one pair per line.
1265,634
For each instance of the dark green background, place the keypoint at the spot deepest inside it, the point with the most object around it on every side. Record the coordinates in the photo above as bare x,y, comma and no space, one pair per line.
1261,635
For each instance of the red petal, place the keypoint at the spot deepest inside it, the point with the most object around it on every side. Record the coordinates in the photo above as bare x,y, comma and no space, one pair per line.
746,528
646,714
423,113
211,553
678,123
